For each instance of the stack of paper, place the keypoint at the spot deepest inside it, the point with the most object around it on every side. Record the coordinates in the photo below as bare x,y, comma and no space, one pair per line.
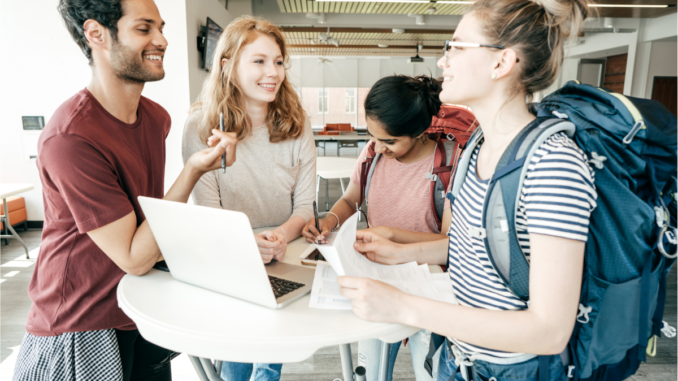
343,259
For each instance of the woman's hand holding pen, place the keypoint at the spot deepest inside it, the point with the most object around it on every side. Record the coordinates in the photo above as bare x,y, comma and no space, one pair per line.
272,245
320,236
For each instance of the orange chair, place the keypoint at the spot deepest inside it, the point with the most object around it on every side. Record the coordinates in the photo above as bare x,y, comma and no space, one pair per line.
16,209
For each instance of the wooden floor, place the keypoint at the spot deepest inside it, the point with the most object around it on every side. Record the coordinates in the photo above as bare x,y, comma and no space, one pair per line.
15,273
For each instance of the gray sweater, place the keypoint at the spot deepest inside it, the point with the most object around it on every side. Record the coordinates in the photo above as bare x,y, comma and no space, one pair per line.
269,182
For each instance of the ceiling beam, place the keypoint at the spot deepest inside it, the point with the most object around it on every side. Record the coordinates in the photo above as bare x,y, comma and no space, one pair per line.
360,30
390,47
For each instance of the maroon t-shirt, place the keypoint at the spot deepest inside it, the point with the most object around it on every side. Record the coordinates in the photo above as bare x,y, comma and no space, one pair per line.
92,167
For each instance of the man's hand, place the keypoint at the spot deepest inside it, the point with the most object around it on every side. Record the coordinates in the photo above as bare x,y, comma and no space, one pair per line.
373,300
209,159
378,249
272,245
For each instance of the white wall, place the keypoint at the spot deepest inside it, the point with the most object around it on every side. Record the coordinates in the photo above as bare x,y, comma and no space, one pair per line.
645,53
355,72
38,72
44,67
197,12
662,63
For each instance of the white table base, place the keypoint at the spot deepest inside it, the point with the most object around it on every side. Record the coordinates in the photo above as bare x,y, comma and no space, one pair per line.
208,371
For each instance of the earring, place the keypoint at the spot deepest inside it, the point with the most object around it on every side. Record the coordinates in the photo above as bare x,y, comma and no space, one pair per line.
494,76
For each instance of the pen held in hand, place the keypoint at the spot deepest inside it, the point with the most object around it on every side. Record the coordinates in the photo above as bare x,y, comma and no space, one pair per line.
221,128
315,214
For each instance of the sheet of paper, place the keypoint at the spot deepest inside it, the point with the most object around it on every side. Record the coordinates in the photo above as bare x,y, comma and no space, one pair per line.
343,259
325,291
311,247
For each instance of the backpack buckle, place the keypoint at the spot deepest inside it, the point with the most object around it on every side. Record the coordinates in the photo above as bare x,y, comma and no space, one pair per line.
449,136
583,316
597,160
479,233
660,215
431,176
636,127
570,371
560,115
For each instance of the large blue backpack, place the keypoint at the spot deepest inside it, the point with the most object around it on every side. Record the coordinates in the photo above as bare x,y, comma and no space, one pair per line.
631,144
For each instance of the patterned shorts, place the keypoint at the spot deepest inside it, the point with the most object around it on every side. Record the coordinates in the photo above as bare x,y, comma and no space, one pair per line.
71,356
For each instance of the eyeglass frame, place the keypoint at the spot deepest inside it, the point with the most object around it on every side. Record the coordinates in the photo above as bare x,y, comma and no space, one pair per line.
449,44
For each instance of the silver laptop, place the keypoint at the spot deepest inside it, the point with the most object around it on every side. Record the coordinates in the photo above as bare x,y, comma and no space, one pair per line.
215,249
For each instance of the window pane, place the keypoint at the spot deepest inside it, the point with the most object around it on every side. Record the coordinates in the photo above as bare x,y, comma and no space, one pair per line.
338,111
349,101
362,94
310,97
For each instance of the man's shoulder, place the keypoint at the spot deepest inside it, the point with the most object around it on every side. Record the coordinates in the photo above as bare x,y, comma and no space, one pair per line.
154,108
62,121
158,115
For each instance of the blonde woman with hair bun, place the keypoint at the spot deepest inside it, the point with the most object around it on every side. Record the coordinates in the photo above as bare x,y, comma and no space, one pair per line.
273,178
503,51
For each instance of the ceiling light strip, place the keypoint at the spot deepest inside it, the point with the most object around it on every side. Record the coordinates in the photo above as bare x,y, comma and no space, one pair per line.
627,6
472,2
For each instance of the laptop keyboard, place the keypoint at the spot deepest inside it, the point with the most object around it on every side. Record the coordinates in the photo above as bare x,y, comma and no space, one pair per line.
283,287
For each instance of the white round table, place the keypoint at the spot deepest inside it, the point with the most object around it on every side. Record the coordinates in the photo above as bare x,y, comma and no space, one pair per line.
209,325
333,168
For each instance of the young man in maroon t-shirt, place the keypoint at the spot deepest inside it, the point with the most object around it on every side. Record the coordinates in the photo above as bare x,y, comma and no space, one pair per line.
102,149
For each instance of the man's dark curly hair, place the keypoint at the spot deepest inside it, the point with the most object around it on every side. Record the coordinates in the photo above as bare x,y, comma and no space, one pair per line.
76,12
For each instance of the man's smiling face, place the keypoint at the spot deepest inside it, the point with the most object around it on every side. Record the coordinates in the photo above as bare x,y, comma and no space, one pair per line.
137,54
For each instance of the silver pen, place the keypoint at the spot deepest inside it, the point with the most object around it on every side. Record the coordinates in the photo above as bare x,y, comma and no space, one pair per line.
221,128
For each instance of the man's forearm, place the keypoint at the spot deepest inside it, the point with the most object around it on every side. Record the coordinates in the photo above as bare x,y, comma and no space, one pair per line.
184,184
144,250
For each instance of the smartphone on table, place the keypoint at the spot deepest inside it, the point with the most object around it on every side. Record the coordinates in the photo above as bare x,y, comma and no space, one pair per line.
313,258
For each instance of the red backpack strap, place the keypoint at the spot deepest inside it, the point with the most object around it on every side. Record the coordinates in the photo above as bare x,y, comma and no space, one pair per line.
440,170
443,170
365,169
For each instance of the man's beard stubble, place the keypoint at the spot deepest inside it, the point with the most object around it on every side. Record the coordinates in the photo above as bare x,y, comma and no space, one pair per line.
129,65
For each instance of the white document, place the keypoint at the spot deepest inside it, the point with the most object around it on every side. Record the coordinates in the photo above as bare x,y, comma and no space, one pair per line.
325,291
343,259
311,247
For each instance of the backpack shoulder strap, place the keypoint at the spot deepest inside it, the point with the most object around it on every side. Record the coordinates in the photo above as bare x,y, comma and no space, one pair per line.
440,171
463,164
445,161
366,171
501,206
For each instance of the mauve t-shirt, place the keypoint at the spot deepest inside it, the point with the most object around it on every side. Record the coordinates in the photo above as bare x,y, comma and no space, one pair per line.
400,196
92,167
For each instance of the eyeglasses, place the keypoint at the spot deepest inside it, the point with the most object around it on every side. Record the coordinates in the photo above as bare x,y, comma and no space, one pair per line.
449,44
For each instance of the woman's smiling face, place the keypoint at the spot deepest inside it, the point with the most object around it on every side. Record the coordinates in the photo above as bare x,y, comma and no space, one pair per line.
261,70
467,72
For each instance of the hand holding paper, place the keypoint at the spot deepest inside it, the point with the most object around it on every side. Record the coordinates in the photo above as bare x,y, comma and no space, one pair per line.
345,260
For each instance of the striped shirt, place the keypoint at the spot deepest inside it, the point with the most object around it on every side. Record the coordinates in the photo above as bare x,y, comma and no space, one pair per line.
557,198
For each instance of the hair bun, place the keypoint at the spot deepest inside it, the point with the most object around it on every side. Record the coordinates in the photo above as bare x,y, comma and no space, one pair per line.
568,14
428,89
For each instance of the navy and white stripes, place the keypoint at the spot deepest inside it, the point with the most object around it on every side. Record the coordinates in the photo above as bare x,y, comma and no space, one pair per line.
557,198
